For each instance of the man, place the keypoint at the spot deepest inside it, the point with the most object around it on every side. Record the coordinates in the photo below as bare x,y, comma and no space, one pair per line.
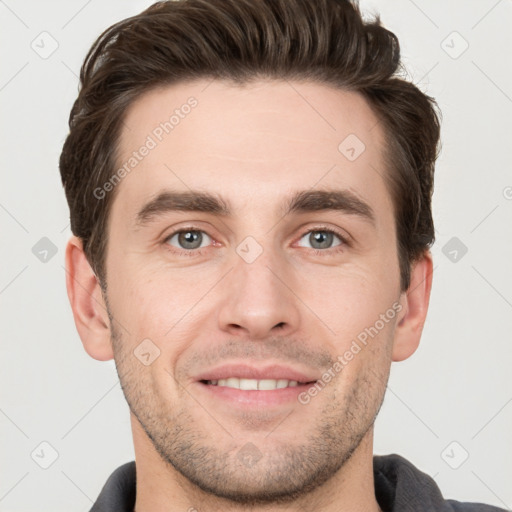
249,185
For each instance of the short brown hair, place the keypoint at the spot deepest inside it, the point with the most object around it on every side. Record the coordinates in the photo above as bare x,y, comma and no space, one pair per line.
325,41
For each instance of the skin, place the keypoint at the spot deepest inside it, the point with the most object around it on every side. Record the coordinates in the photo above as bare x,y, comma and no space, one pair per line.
296,304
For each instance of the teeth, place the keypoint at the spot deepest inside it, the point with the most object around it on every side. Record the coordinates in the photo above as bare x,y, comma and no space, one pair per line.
248,384
232,382
254,384
267,385
281,384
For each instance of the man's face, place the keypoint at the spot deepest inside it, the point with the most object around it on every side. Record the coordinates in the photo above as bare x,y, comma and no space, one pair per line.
254,293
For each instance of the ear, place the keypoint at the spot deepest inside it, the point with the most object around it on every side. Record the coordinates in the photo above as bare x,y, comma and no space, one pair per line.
87,303
414,309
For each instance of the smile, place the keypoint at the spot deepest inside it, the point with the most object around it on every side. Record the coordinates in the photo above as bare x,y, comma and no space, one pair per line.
254,384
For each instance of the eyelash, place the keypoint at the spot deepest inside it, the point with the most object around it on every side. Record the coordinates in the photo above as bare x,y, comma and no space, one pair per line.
199,252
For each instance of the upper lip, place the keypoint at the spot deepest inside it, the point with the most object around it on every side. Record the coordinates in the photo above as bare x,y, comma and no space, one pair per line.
244,371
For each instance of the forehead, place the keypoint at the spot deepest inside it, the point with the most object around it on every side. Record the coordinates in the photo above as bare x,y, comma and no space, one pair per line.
252,143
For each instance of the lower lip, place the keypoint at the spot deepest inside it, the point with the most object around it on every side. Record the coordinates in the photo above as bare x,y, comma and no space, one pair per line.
255,398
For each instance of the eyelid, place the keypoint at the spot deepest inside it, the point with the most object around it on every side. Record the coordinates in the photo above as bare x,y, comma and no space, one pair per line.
344,237
186,229
345,240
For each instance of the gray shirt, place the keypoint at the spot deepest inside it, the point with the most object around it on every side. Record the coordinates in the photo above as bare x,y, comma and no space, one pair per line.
399,487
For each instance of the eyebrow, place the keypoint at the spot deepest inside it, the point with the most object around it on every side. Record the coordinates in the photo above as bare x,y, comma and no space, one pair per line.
301,202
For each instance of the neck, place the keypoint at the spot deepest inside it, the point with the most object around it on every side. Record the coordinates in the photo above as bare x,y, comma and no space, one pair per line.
161,487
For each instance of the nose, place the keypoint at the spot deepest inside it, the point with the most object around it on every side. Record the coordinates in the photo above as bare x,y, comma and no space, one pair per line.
259,300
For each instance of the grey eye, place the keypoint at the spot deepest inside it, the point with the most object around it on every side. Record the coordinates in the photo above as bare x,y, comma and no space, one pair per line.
321,239
189,239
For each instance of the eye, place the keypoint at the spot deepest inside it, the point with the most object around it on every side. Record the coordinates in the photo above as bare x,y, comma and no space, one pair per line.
188,239
322,238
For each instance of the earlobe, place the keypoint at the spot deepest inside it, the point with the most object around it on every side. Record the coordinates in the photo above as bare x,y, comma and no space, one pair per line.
415,306
87,303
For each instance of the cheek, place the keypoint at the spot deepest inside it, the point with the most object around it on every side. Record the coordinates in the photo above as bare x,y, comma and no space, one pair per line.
164,308
352,300
363,360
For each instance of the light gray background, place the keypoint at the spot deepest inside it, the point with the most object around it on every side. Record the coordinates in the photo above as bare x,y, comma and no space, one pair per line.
457,387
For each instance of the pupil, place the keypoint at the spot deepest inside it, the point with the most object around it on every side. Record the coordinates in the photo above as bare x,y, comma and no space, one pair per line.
188,238
322,238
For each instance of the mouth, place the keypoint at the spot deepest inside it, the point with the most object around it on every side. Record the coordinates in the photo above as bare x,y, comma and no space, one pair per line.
244,384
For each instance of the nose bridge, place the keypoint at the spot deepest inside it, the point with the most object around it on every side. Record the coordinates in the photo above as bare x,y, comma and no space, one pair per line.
258,300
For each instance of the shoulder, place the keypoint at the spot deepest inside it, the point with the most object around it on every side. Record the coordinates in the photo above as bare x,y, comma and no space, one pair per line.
401,486
118,493
458,506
